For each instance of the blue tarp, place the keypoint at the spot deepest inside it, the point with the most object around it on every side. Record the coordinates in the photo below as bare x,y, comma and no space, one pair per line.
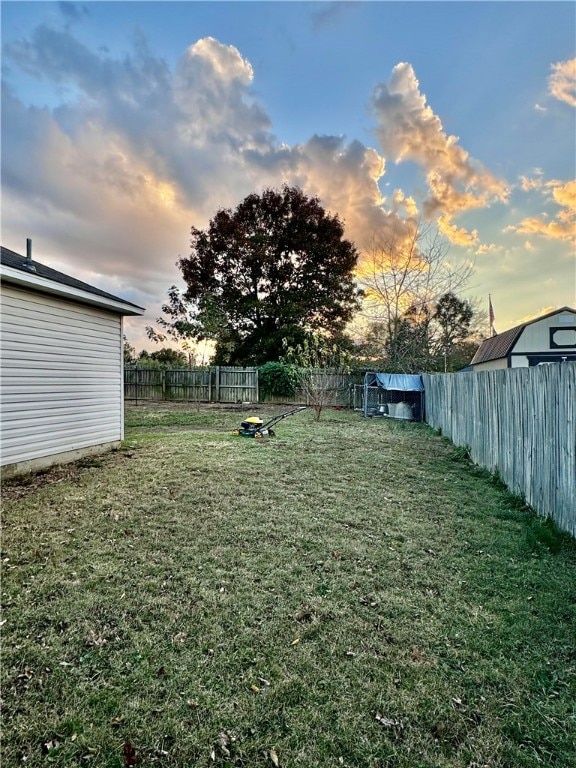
402,382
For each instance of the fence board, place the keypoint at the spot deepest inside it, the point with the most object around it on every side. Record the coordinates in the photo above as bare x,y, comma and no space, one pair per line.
237,385
520,422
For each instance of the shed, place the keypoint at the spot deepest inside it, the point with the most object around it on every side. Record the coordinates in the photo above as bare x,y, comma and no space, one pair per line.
393,395
550,338
62,374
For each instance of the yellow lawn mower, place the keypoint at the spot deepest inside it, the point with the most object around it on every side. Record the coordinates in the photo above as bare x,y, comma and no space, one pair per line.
253,426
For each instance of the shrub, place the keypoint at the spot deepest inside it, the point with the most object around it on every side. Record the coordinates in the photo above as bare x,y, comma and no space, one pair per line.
277,379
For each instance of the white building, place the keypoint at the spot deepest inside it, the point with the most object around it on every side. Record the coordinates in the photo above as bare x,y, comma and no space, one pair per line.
62,372
550,338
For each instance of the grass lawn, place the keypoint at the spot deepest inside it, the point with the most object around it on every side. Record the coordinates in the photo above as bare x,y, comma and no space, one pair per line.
347,593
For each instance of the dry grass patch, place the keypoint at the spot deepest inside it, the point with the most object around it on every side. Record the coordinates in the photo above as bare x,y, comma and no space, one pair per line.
347,593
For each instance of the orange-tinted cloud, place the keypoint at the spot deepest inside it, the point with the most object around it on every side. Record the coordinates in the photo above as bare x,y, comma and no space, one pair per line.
562,81
408,129
563,225
529,184
565,195
457,236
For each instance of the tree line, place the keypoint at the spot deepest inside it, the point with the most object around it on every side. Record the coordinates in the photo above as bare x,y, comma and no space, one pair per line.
277,274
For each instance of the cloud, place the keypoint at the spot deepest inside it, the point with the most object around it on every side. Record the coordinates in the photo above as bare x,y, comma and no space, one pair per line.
344,176
485,248
563,225
109,182
562,81
407,205
527,184
565,195
408,130
457,236
544,310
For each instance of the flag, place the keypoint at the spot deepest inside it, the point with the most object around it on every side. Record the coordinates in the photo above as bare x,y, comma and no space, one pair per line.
491,314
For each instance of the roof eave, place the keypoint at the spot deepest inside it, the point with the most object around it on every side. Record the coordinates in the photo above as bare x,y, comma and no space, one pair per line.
36,282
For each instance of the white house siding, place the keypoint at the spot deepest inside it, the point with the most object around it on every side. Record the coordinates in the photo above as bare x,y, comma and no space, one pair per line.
492,365
62,377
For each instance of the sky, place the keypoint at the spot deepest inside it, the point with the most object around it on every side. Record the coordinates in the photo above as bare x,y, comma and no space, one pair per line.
124,124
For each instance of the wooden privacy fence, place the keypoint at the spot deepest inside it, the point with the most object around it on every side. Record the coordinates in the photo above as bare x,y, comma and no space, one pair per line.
520,422
207,384
221,384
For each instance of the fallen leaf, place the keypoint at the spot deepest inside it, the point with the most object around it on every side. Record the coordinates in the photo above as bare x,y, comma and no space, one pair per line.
295,641
255,689
225,739
305,614
129,753
274,757
388,722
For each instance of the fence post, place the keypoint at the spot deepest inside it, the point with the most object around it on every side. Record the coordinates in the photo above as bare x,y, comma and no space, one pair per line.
163,380
217,383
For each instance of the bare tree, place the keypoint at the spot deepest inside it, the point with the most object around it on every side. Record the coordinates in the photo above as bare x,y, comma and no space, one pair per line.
404,274
321,369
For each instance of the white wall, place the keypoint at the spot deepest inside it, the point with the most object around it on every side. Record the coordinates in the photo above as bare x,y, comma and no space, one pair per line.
536,336
492,365
62,371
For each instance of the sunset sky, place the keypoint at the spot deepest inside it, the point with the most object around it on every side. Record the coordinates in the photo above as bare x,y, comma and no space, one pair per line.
125,123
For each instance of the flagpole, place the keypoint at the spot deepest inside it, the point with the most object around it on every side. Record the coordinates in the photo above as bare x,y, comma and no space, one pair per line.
491,316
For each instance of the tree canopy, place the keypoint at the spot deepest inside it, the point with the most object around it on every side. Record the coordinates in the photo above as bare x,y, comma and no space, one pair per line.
275,269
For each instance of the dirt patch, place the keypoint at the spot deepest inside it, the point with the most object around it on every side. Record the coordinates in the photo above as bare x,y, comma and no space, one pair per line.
22,486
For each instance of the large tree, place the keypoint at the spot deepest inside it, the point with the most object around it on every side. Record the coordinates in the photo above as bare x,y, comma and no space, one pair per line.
276,268
453,319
